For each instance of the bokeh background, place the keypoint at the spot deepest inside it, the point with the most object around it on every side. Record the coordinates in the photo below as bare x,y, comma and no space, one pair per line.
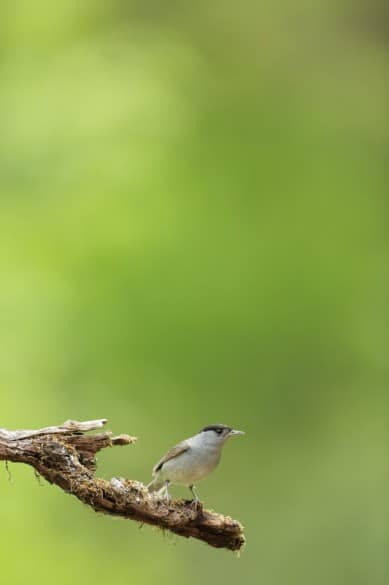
194,229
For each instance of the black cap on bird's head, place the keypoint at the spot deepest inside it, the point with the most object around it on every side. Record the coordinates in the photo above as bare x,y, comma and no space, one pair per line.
222,430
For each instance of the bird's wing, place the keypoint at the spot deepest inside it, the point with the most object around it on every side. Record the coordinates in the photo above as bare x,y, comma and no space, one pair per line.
171,454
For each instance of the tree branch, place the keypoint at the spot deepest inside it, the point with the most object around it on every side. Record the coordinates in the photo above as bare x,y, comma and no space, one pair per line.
65,456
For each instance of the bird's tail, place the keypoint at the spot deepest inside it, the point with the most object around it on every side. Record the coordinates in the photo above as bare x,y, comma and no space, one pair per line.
155,485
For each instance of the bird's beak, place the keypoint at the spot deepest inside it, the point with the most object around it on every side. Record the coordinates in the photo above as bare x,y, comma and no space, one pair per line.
235,432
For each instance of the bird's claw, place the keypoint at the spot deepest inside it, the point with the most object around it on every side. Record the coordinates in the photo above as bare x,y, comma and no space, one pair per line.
195,504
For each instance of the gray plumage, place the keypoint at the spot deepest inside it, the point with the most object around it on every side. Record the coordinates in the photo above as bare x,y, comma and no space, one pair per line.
191,460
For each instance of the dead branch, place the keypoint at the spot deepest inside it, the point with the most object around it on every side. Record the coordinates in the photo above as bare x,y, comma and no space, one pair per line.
66,457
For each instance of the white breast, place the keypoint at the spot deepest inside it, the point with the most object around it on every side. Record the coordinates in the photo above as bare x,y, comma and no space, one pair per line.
192,465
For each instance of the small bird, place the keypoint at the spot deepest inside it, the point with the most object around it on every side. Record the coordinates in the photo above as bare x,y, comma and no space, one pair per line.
192,459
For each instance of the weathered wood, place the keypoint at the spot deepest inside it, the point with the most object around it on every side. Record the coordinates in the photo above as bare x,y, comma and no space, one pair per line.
65,456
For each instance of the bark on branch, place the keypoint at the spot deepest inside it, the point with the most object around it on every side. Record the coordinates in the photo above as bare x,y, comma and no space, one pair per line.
65,456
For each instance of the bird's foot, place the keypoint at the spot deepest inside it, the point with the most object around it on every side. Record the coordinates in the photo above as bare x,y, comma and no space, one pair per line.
195,504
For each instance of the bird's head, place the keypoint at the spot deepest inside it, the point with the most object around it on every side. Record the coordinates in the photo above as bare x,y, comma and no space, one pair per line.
218,434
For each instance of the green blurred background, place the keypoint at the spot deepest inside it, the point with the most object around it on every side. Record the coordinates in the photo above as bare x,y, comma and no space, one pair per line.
194,229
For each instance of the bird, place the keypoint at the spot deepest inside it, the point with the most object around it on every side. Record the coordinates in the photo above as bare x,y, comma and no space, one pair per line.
191,460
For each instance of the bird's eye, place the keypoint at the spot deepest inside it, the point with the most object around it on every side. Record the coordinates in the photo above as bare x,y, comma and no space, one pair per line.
218,431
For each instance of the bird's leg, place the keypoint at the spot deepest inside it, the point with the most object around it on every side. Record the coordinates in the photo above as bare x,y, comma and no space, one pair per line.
167,495
194,494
